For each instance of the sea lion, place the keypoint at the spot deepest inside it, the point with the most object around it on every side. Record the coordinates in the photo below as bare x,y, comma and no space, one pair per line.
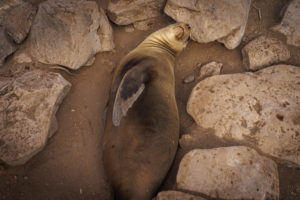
142,123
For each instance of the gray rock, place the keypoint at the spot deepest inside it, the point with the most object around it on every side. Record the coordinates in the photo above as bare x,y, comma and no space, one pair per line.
28,105
106,33
176,195
210,69
290,24
229,173
221,20
22,58
260,109
189,79
65,32
7,47
124,12
263,51
16,17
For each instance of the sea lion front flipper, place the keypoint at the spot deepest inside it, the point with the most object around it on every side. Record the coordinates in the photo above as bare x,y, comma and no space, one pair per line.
130,88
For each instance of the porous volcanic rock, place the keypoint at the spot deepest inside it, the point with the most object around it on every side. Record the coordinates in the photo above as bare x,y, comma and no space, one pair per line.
28,105
220,20
65,32
16,17
261,109
210,69
290,24
229,173
124,12
264,51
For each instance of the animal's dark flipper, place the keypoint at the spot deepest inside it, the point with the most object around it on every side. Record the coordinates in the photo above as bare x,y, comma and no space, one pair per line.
131,87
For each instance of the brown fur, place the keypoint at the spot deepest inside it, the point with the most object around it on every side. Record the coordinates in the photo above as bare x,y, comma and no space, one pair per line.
138,153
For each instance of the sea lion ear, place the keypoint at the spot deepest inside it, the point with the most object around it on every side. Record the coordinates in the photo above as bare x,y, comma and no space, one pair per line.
131,87
179,32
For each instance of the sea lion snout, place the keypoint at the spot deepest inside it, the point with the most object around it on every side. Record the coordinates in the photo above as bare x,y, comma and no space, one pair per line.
188,26
183,31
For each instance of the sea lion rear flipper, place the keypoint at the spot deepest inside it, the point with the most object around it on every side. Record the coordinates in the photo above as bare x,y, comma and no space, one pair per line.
130,88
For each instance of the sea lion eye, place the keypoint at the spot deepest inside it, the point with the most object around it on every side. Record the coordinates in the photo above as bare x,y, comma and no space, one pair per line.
179,32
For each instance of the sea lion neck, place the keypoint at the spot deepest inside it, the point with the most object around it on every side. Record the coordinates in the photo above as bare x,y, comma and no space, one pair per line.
159,44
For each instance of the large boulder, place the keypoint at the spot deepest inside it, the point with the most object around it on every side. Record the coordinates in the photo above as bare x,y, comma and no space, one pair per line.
264,51
28,105
16,17
7,46
65,32
220,20
260,109
290,24
124,12
229,173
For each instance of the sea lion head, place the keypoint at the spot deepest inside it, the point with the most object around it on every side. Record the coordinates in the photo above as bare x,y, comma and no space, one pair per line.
173,37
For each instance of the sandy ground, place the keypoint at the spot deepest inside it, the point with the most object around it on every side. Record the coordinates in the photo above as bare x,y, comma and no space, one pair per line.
70,166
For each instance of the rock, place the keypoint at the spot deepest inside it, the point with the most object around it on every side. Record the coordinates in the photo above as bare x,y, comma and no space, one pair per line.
74,26
129,11
263,51
106,33
176,195
229,173
7,47
90,61
290,24
129,29
7,4
28,105
189,79
16,17
22,58
145,25
220,20
260,109
189,141
210,69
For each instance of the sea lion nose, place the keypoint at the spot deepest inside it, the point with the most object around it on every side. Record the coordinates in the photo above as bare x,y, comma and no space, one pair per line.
188,26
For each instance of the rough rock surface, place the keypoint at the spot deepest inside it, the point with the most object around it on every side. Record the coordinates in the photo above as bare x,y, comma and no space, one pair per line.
16,17
210,69
106,33
264,51
176,195
74,26
229,173
7,47
22,58
220,20
261,109
189,79
145,24
27,113
129,11
290,24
